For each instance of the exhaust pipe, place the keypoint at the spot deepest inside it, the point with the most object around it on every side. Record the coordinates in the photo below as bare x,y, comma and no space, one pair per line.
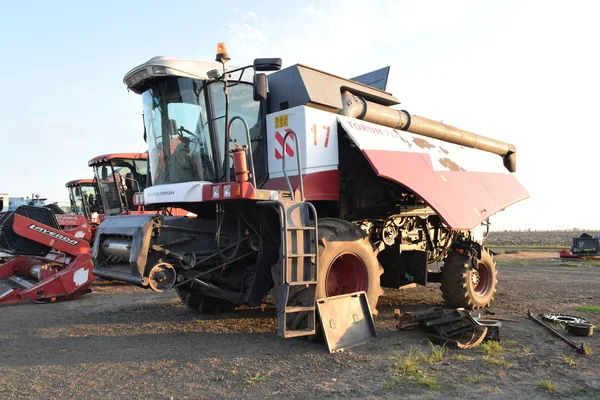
359,108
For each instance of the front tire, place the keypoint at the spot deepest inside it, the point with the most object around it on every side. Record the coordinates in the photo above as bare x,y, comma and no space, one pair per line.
465,286
347,262
202,304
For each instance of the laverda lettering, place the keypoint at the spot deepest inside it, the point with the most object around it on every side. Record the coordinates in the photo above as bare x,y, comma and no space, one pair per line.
52,234
165,193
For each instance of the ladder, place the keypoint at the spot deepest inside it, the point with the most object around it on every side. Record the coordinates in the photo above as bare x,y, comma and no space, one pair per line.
297,308
298,277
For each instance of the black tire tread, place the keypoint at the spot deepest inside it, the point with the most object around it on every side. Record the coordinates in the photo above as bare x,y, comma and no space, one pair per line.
455,281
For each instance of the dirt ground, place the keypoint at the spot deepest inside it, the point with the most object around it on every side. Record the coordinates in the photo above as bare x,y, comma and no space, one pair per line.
124,342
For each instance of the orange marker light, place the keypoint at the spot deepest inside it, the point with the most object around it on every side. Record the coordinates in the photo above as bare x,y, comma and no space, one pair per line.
222,55
221,48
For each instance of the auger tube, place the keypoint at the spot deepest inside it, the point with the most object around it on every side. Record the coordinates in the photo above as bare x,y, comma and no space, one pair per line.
358,107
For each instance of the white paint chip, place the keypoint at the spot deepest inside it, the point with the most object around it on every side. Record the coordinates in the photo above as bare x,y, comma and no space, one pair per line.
81,276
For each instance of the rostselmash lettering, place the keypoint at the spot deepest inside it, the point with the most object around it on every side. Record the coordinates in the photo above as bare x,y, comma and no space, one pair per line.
165,193
54,235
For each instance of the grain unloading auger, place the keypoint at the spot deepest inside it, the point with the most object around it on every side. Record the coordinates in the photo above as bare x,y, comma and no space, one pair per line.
49,264
315,189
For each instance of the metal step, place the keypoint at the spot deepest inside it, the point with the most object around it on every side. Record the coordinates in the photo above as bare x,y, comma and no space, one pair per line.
290,310
299,333
295,255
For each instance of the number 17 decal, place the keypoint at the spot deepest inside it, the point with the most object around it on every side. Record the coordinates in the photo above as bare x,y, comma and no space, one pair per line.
324,128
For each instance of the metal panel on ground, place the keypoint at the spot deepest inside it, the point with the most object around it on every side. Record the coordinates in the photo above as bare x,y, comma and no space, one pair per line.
347,321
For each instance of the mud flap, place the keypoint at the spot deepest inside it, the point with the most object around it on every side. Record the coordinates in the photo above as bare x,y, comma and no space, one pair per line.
347,321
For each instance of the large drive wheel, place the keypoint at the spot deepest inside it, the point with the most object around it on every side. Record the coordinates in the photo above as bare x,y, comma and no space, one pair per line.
196,301
466,286
347,264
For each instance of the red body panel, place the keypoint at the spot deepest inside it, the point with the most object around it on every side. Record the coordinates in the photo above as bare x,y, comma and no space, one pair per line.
22,226
57,282
75,225
463,199
317,185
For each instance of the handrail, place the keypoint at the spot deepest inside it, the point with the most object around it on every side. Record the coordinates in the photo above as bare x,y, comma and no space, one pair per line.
250,157
298,162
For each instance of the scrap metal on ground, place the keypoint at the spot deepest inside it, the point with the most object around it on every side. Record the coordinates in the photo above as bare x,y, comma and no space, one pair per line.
455,327
579,347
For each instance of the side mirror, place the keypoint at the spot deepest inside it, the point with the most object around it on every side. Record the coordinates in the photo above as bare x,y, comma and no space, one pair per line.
260,87
267,64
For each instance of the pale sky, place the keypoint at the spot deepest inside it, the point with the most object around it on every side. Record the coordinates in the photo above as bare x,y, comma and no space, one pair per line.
525,72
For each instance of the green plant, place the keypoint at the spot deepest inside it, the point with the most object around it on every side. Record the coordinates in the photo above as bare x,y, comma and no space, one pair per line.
257,378
476,378
490,389
408,369
438,353
587,350
548,385
589,309
499,362
427,380
570,361
409,364
461,358
491,348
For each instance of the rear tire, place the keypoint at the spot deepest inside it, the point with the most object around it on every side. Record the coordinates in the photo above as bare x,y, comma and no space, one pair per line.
464,286
200,303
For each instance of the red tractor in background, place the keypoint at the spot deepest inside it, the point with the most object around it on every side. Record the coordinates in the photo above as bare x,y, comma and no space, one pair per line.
118,177
84,200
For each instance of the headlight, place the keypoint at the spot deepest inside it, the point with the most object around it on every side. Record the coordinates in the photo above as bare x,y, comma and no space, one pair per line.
215,192
226,190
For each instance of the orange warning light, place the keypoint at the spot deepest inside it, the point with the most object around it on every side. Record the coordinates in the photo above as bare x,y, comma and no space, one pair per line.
222,55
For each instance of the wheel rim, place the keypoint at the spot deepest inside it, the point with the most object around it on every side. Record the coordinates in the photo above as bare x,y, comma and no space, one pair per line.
480,279
347,274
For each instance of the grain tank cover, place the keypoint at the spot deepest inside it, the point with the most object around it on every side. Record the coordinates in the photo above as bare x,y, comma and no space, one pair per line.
300,85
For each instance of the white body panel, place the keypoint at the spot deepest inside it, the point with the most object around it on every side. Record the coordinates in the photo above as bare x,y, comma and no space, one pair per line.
320,150
184,192
444,156
317,132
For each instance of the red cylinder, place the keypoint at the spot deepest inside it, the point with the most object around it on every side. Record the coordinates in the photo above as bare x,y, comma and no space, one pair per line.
30,267
240,165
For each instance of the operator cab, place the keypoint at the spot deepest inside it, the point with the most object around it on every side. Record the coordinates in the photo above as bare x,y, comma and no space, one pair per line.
119,176
83,196
186,106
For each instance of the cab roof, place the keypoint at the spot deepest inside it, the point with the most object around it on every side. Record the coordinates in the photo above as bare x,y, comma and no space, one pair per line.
115,156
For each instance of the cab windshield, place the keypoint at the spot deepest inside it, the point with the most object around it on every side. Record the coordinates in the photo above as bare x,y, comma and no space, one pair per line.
179,122
118,181
83,200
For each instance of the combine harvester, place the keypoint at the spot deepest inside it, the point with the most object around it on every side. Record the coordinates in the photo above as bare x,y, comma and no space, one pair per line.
318,188
49,264
119,176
